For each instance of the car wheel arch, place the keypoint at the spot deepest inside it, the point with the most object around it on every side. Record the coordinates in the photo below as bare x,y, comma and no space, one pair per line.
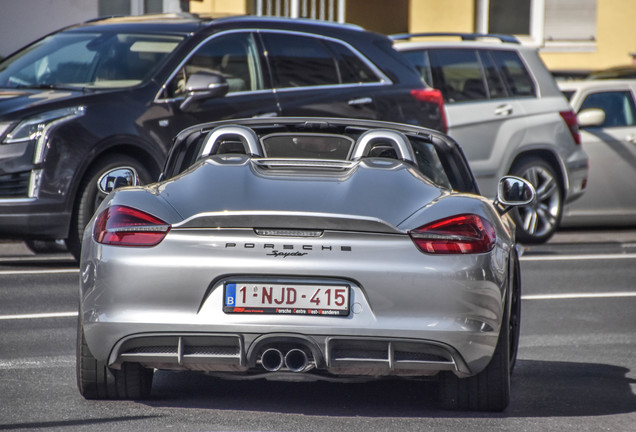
545,155
128,148
130,155
537,222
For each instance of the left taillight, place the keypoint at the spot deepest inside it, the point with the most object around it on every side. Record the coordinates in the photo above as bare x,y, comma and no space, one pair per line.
125,226
460,234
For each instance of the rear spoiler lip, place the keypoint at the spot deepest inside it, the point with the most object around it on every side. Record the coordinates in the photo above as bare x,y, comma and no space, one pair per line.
287,220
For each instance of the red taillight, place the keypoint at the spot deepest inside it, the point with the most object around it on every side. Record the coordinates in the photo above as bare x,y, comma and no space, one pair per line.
433,96
573,124
126,226
461,234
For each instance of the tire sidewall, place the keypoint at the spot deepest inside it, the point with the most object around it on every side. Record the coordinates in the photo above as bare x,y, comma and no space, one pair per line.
518,169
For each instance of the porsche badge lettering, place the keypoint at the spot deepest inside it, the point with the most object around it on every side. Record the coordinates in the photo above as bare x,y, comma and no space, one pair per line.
287,250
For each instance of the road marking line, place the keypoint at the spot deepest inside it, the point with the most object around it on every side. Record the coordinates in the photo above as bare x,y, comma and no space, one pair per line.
35,258
577,257
569,296
44,271
39,316
37,363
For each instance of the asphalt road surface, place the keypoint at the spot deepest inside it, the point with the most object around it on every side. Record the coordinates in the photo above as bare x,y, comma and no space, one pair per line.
576,369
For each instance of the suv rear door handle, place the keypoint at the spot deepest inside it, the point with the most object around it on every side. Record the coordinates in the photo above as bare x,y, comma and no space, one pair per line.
360,101
503,110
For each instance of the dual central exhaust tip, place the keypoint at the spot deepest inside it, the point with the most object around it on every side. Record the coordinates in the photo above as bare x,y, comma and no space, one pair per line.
295,360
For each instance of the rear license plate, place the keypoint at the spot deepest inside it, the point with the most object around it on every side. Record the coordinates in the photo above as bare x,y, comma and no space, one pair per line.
294,299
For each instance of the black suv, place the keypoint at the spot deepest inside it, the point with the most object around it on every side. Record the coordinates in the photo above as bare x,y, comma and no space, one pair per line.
114,92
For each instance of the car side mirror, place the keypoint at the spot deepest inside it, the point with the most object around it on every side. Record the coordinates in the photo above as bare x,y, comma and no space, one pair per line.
514,192
116,178
204,85
591,117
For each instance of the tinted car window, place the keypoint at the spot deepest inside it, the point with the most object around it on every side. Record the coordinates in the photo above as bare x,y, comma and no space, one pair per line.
458,74
618,106
496,88
234,56
420,59
514,73
351,68
429,163
299,61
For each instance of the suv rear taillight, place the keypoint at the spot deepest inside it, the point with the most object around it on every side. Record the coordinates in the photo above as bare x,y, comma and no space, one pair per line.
573,124
126,226
461,234
432,96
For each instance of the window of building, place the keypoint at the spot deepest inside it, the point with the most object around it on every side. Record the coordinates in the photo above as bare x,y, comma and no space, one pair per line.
328,10
509,17
554,24
140,7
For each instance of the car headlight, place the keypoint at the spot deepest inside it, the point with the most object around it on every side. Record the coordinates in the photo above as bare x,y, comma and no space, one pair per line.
37,128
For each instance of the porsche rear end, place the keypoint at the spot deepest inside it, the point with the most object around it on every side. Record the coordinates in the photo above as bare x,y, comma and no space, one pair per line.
313,295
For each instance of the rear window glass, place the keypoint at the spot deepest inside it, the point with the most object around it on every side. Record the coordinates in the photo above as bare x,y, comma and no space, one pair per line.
419,59
351,68
307,146
514,73
299,61
429,162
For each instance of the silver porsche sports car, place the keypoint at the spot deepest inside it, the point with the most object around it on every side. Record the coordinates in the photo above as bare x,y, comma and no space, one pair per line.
298,248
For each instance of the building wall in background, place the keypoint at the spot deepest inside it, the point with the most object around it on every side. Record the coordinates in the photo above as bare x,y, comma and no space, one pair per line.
381,16
219,8
441,16
615,40
615,30
24,21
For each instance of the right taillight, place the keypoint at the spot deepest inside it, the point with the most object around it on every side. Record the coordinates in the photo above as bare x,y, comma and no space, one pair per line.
573,124
125,226
431,95
460,234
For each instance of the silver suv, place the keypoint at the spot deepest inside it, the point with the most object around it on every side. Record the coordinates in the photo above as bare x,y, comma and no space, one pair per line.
506,111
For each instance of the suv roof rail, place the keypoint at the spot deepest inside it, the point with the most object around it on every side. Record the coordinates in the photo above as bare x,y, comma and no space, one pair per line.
101,18
463,36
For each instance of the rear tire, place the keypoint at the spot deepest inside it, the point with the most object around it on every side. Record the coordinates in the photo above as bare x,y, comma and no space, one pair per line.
95,380
539,221
489,390
89,197
515,312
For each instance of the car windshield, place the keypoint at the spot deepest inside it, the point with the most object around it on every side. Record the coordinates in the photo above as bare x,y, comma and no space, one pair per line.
87,60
